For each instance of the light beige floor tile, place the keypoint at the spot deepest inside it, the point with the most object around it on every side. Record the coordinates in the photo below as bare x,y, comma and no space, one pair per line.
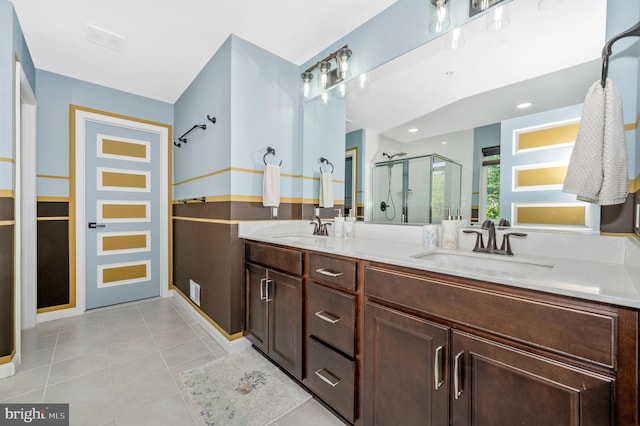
166,411
174,337
90,386
78,366
35,359
91,412
155,304
185,352
136,369
162,312
88,320
29,397
136,394
118,324
81,332
163,325
131,350
34,343
214,346
92,345
23,382
119,337
311,413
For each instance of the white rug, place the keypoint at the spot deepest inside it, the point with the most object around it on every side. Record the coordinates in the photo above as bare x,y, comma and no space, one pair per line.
242,389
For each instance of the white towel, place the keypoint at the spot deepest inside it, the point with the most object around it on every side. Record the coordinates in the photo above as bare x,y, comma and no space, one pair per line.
271,186
326,190
598,169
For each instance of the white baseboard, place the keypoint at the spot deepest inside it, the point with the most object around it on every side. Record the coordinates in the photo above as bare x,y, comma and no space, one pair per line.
10,368
230,346
54,315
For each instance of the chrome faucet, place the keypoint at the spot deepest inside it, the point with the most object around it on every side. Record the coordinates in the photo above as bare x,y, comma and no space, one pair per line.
492,247
319,228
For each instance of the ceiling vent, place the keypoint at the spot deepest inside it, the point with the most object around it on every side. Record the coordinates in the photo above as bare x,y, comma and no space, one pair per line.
105,38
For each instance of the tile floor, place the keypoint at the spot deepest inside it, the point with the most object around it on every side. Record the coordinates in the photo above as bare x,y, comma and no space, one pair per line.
120,366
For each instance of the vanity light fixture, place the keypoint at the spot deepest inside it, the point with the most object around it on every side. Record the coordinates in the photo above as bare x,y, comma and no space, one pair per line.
478,6
498,18
306,88
439,20
325,68
524,105
328,75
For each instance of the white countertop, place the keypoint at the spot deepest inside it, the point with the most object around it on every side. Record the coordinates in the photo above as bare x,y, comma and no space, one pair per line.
588,266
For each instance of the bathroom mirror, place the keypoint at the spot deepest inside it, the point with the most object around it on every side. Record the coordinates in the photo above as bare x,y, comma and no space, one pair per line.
547,57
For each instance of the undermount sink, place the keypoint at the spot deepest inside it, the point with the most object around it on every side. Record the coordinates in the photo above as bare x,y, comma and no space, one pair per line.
302,239
488,264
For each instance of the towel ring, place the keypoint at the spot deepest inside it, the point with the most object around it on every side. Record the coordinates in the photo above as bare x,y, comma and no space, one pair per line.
272,152
324,160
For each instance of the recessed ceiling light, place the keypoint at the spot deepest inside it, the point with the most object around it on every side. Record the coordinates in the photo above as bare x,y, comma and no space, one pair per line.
524,105
444,142
412,130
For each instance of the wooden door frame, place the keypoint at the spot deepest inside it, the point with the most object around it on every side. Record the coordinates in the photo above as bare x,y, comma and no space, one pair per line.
78,117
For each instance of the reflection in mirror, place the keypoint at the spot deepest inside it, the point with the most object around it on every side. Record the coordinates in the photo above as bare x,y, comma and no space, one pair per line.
423,189
463,100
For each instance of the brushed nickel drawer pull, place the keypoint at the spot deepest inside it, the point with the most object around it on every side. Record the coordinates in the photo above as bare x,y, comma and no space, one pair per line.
326,316
437,373
262,281
335,382
328,273
457,389
267,291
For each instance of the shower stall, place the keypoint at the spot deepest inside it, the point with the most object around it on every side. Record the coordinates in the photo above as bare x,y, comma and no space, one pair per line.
416,189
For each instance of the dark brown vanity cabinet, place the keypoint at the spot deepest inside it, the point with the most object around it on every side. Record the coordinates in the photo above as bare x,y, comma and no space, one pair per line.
273,319
495,384
331,332
438,351
405,370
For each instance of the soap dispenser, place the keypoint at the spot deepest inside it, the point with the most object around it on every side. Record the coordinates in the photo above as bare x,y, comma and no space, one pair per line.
338,224
348,225
450,232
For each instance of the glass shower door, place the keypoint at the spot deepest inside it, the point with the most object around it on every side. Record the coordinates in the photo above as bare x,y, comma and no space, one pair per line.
417,209
388,192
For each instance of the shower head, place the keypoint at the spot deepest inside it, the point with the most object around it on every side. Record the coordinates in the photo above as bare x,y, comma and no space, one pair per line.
397,154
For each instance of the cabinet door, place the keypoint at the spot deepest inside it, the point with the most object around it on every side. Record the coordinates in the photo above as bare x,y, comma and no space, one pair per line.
405,369
284,307
494,384
256,313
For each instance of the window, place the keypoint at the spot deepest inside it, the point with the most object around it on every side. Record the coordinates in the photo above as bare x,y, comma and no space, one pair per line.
490,184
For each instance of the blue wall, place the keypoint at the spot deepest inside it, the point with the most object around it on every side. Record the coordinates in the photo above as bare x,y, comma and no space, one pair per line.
12,46
254,96
55,92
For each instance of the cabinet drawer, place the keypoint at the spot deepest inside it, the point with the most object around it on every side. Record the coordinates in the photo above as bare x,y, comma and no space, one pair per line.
332,377
331,317
276,257
331,270
582,334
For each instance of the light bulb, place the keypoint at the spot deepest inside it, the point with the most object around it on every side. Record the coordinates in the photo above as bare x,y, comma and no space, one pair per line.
342,88
306,88
325,68
441,21
325,97
343,56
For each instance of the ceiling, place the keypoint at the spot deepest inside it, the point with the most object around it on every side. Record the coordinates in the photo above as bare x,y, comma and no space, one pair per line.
166,43
548,57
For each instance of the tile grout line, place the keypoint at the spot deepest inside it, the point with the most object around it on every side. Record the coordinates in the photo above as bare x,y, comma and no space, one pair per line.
186,403
53,357
113,391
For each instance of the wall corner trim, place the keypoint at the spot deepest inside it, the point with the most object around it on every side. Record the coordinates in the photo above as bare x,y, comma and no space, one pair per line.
10,367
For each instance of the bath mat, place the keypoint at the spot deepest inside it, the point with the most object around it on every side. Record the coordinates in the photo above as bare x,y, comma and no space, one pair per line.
241,389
